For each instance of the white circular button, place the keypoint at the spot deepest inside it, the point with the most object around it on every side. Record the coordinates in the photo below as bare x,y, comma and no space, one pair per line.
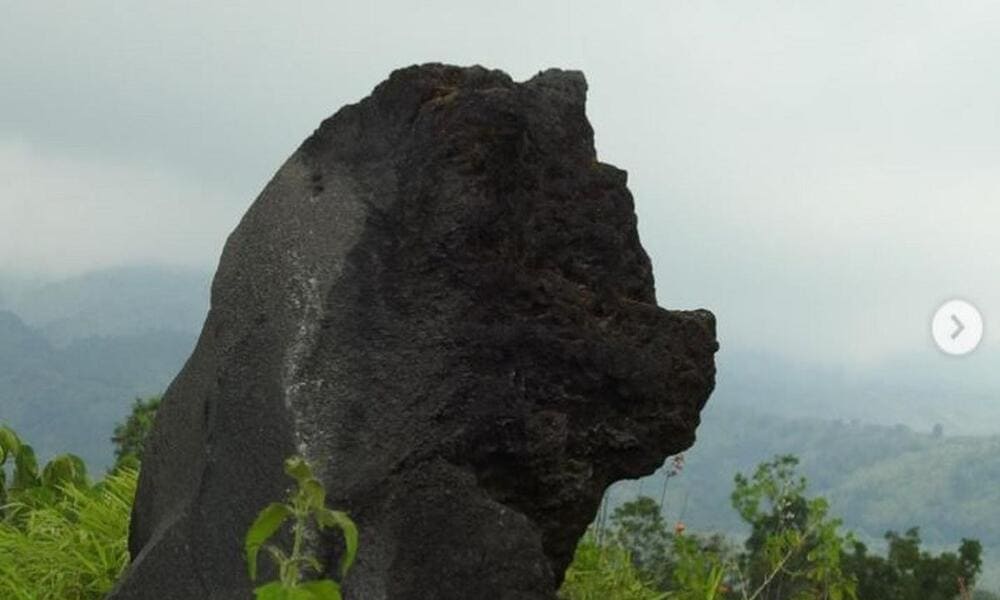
957,327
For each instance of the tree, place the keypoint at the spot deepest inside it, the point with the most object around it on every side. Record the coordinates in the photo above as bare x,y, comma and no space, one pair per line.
795,551
130,437
703,570
638,526
795,548
908,573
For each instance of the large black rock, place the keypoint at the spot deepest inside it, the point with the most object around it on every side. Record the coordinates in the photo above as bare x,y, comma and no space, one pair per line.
441,301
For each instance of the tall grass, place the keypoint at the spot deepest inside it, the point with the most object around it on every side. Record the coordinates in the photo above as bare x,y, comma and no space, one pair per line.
73,546
604,572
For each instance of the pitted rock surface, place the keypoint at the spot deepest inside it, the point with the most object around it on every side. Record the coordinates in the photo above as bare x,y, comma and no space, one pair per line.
441,301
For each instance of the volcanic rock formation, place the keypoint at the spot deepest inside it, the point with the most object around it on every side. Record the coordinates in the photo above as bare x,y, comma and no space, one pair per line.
441,301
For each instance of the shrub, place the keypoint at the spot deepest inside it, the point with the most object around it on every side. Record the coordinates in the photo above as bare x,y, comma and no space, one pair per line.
603,571
61,538
306,503
130,437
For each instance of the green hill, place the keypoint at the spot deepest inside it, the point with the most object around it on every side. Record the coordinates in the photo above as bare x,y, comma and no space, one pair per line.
877,478
75,352
68,399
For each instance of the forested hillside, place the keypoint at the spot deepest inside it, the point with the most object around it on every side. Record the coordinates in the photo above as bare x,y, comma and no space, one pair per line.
66,399
877,478
88,346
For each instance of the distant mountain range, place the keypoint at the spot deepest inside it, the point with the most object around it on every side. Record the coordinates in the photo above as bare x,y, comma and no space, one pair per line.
113,302
919,390
75,353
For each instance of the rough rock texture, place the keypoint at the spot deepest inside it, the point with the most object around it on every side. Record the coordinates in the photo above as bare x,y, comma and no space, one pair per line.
441,300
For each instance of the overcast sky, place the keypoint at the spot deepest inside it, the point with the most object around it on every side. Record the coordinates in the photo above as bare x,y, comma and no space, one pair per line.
821,174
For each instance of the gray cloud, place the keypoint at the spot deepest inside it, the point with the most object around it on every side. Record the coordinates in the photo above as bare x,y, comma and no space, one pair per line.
820,174
66,214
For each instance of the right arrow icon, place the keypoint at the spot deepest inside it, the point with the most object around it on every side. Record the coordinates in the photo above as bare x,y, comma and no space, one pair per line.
957,327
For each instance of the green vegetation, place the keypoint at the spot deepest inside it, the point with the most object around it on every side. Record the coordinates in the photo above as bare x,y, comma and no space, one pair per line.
794,551
875,478
908,573
64,537
639,527
601,571
307,502
61,537
130,437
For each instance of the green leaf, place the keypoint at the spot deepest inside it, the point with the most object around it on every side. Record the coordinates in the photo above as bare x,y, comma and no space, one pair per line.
270,591
64,469
297,468
264,526
314,493
25,468
9,443
336,518
323,589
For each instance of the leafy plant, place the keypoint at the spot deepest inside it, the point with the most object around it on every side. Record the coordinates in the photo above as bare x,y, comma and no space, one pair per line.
794,549
909,573
700,572
604,571
130,437
639,526
61,538
22,456
305,503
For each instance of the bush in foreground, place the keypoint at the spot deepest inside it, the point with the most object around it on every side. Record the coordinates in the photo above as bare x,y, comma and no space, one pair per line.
61,537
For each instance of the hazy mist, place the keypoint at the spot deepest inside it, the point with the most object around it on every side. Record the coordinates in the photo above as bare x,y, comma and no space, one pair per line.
820,177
